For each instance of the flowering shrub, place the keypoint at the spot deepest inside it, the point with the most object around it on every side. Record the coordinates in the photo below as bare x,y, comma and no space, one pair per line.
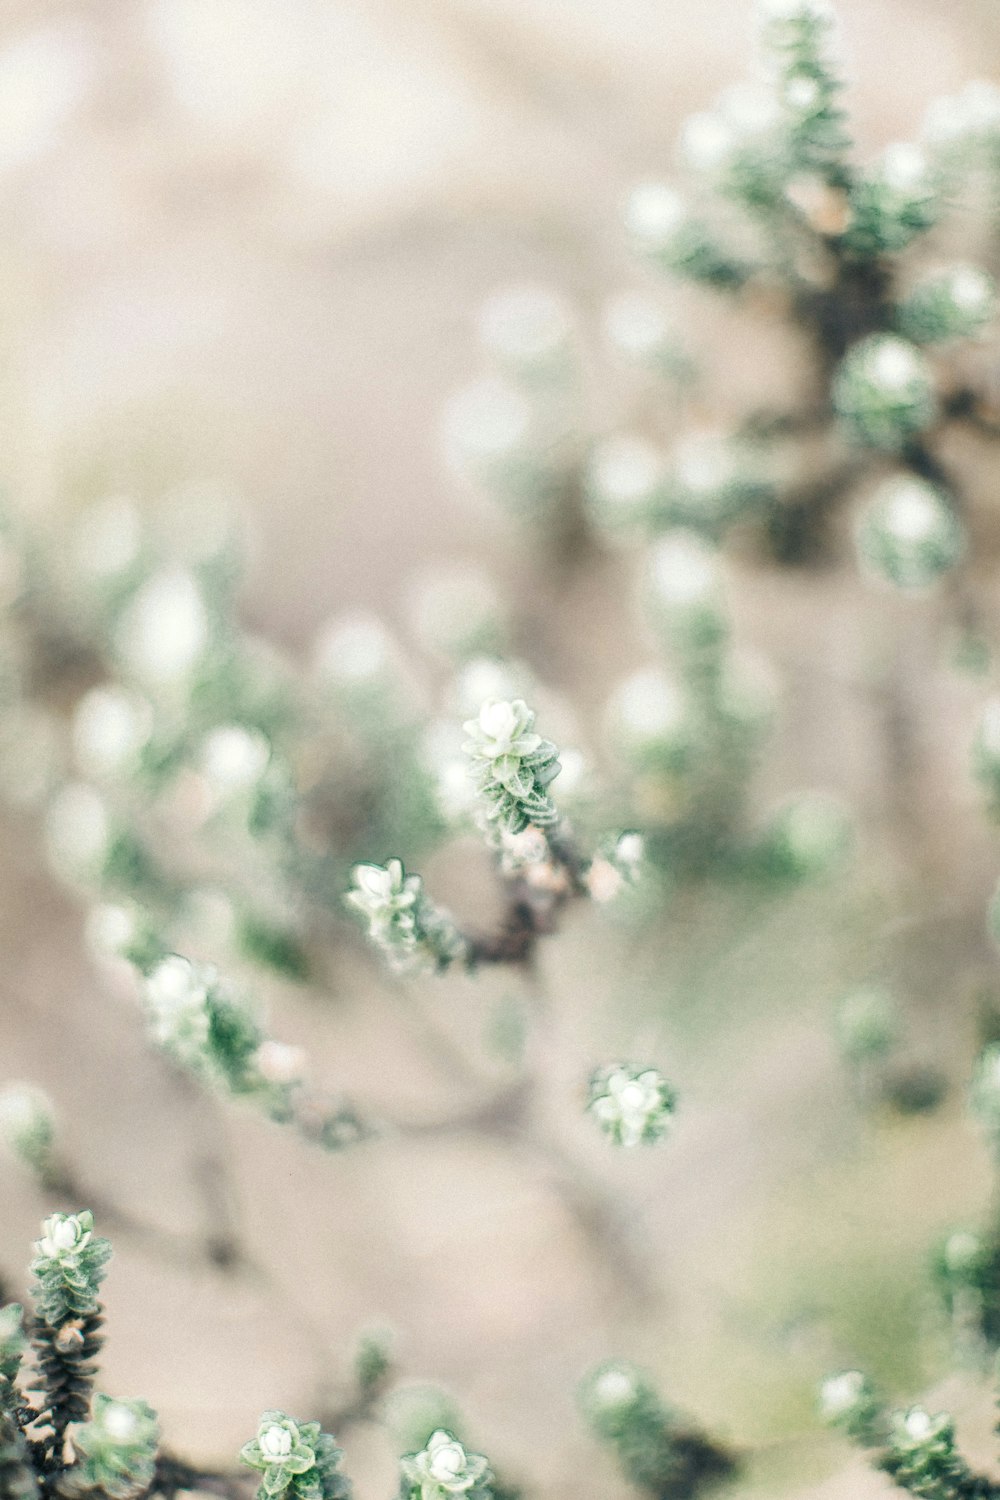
218,809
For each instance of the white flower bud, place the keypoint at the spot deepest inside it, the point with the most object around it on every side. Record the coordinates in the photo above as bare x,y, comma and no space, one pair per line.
119,1422
26,1122
165,630
840,1395
234,758
110,929
625,481
706,141
110,728
653,215
275,1442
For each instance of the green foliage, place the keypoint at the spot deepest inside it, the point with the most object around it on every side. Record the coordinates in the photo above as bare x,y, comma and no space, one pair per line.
115,1450
295,1459
849,1401
512,767
956,303
13,1345
899,199
408,929
984,1099
922,1458
909,533
27,1127
655,1447
69,1266
867,1025
884,393
796,34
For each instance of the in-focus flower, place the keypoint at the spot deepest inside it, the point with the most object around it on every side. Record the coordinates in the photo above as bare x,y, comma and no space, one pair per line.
512,766
443,1468
632,1106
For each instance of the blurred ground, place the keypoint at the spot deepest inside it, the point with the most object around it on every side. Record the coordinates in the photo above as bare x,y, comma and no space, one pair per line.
245,240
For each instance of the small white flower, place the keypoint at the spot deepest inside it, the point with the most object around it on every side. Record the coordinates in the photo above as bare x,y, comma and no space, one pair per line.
63,1236
275,1443
648,708
234,758
841,1394
962,1250
25,1119
110,727
177,998
653,215
971,288
631,1106
444,1467
904,167
119,1422
683,573
165,631
706,141
615,1387
801,92
277,1062
624,477
110,929
893,365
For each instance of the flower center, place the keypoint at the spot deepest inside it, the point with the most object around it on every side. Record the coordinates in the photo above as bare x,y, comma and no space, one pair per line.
448,1461
276,1442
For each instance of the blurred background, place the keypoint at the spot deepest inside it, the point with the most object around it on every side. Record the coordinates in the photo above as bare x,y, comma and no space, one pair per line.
246,242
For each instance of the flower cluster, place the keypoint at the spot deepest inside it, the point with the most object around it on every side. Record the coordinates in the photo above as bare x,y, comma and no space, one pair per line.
796,36
894,202
408,929
921,1455
442,1469
909,534
849,1401
656,1448
69,1265
115,1450
632,1106
956,303
513,767
662,229
296,1459
916,1448
884,391
176,994
27,1126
